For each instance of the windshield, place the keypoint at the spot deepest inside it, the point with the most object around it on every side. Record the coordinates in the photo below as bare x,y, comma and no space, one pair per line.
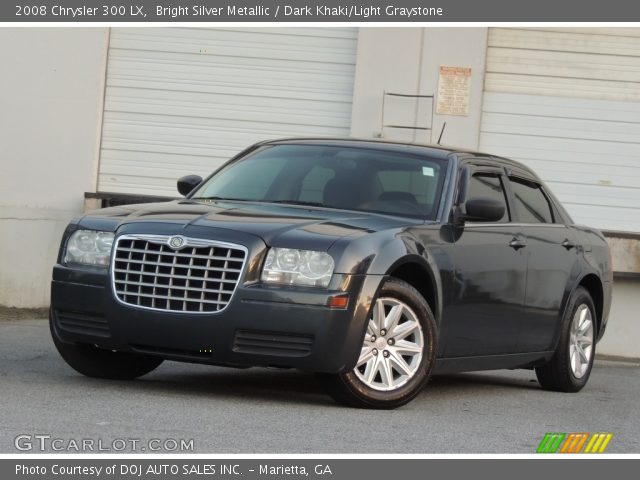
350,178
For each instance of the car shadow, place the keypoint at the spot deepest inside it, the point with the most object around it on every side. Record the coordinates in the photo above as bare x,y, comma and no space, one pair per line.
460,382
296,387
255,384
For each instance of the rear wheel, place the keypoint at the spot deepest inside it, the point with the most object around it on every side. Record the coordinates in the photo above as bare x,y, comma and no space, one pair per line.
570,367
92,361
397,352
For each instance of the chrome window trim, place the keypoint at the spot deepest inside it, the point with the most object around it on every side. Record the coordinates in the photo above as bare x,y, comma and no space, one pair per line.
188,242
506,224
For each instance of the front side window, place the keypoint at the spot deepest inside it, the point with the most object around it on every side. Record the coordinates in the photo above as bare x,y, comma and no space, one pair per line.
351,178
531,204
488,186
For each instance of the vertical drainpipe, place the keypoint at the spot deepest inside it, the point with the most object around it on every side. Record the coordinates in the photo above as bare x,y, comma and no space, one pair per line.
100,122
418,85
481,93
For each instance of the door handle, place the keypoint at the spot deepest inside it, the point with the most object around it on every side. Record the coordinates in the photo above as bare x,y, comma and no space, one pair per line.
517,243
568,244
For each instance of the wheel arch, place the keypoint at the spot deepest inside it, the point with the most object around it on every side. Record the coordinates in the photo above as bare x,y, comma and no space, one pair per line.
416,271
592,284
390,253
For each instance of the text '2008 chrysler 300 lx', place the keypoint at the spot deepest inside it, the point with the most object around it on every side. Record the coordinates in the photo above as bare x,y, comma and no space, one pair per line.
372,263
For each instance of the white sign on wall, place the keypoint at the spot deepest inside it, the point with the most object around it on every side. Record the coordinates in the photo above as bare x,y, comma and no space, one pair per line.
454,89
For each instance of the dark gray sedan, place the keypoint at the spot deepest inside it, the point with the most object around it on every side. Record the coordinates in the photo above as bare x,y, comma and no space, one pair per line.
374,264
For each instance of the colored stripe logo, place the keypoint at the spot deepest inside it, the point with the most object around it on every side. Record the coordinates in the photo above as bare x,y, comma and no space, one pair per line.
574,443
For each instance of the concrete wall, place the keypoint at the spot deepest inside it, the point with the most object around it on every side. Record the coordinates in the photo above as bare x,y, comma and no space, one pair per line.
407,60
50,115
389,59
623,329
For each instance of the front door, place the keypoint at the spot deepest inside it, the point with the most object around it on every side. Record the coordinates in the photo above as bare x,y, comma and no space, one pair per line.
489,278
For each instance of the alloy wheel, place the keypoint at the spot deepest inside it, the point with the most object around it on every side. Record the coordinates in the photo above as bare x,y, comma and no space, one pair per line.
581,341
392,349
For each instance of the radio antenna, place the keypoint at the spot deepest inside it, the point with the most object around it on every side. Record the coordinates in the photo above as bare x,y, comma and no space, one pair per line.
441,132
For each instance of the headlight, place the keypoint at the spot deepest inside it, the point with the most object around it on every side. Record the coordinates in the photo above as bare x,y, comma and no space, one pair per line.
88,247
298,267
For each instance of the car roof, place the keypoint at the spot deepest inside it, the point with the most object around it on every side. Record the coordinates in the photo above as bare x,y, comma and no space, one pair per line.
437,151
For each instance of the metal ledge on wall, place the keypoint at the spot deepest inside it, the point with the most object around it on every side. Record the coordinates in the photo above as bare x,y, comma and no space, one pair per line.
95,200
625,251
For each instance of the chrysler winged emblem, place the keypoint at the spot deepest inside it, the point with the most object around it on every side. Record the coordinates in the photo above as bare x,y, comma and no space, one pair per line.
177,242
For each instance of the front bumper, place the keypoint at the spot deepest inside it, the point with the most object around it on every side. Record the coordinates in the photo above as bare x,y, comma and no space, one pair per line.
262,326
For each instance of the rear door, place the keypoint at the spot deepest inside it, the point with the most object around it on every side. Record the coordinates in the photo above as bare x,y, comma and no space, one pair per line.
552,258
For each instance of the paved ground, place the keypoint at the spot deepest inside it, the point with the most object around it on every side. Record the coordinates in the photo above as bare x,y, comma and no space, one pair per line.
265,411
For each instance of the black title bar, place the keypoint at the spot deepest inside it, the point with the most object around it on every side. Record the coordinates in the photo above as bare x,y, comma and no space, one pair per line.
313,469
319,11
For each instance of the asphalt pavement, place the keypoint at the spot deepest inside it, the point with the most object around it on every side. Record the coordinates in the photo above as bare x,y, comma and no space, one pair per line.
285,411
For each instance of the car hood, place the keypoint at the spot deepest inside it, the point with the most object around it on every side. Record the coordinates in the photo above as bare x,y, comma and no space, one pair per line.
278,225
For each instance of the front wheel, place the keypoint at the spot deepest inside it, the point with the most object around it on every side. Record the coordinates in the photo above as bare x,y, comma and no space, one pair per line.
570,367
397,353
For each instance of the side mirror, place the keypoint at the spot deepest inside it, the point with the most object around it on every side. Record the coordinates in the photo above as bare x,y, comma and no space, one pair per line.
481,209
187,183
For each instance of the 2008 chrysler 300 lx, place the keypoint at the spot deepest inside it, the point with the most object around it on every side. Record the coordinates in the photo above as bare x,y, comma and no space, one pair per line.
374,264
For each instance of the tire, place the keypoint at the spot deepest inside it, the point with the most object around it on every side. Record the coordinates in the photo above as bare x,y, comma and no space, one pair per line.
567,371
96,362
368,385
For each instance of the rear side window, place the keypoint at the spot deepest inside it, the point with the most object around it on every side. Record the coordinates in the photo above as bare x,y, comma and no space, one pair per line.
531,204
488,186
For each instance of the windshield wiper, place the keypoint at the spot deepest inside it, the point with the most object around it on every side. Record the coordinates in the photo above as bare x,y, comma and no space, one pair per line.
220,198
288,202
300,202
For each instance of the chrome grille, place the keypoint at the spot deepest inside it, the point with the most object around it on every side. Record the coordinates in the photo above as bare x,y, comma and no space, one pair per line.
199,276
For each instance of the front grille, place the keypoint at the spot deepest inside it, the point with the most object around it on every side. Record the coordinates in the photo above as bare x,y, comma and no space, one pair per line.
272,343
200,276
